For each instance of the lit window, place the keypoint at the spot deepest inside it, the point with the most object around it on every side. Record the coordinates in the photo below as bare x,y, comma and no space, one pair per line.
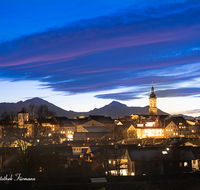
164,152
41,169
109,161
185,164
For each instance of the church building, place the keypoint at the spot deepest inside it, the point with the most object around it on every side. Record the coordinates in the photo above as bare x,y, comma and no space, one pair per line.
152,102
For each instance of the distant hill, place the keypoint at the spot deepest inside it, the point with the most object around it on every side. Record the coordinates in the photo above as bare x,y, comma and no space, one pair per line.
117,109
16,107
114,109
185,116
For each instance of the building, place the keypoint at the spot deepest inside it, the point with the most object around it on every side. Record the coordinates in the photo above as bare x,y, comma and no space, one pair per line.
152,102
156,160
176,127
67,128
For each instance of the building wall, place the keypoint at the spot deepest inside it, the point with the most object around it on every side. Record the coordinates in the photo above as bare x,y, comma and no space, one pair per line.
30,129
173,130
92,123
153,106
150,132
149,168
22,117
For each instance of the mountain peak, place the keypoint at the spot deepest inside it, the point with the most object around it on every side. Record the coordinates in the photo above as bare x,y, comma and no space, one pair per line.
115,103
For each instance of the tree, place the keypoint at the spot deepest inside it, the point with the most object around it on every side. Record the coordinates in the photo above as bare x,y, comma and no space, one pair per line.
44,112
131,133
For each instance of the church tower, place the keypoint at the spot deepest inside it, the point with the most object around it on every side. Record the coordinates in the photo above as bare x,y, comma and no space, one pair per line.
152,102
22,118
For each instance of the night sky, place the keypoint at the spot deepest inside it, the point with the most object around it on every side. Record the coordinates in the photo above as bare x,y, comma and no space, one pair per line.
83,54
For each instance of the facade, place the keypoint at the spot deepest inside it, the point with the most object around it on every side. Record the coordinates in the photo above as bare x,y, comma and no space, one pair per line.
91,123
176,127
108,122
22,118
66,127
149,127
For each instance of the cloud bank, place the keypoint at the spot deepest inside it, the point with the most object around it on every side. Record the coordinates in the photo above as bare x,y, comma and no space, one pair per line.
130,47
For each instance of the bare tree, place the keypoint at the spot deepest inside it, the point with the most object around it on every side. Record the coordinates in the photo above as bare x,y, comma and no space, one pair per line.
5,116
44,112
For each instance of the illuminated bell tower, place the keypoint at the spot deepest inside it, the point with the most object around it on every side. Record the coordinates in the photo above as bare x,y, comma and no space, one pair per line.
152,102
22,118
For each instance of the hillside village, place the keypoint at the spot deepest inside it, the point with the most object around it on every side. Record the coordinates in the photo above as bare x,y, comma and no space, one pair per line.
133,145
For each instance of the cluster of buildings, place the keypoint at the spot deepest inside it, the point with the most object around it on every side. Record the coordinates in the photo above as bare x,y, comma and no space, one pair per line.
129,145
96,127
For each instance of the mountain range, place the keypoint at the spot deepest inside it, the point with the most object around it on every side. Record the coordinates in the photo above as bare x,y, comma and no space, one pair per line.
114,109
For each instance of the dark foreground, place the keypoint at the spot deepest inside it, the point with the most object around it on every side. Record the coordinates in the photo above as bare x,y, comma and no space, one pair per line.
170,182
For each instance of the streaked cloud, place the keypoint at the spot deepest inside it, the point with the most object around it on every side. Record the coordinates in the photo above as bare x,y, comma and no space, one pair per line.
112,49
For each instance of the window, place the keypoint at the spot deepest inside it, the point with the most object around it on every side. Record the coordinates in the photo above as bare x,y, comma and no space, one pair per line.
180,164
185,164
194,161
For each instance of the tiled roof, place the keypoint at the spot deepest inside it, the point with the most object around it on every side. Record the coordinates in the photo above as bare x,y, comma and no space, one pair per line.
155,154
50,150
101,119
64,122
97,129
51,121
176,120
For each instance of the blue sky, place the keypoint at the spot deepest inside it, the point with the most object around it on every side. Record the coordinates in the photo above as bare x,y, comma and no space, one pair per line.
84,54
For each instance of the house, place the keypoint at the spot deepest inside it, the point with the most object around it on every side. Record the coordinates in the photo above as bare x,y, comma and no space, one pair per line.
51,158
159,160
91,123
108,158
176,127
149,127
107,121
123,130
67,128
196,162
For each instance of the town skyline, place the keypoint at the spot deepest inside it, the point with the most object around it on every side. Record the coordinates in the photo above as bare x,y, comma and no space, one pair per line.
86,55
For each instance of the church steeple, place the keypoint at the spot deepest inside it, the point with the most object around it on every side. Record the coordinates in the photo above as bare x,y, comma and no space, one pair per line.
152,102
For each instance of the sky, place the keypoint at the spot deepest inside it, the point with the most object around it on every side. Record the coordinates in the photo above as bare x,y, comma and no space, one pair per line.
81,55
